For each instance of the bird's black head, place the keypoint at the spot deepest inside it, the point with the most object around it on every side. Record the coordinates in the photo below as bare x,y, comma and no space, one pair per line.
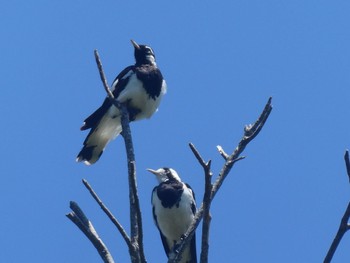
143,54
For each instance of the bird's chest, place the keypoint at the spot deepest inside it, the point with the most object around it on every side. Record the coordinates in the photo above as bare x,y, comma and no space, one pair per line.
173,221
141,104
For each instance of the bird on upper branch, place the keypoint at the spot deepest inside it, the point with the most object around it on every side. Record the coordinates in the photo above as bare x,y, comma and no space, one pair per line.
174,208
140,86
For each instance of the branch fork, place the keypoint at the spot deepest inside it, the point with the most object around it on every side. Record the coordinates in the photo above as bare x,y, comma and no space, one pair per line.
250,132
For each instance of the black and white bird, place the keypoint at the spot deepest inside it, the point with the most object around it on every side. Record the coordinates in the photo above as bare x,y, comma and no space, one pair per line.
174,208
140,86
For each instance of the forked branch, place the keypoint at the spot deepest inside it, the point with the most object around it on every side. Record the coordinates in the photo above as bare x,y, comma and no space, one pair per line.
109,214
83,223
250,132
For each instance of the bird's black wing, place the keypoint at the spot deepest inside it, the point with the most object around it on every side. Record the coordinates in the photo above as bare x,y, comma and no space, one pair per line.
193,248
193,205
117,86
165,244
93,120
121,80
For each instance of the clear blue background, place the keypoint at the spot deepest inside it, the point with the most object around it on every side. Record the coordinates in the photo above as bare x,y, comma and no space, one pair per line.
222,60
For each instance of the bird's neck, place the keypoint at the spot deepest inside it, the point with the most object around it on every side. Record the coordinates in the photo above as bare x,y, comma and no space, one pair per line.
149,60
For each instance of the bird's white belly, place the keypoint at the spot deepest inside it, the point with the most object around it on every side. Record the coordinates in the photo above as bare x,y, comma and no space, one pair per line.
174,221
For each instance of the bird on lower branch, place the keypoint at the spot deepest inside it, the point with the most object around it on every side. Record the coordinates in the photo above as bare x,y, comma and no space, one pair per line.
174,207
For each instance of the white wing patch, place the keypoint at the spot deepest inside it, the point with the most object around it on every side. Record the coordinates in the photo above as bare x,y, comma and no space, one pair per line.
127,75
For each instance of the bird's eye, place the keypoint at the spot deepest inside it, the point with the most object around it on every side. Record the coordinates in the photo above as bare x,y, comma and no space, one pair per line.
167,172
148,50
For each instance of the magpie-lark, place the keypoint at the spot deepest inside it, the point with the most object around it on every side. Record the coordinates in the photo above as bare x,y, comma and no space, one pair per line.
174,208
140,86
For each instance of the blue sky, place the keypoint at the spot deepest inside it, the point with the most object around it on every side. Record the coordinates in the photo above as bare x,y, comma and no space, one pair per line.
222,60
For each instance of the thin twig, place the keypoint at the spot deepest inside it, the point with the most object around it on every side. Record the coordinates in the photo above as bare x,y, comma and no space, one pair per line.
138,216
347,163
109,214
102,75
344,223
80,220
250,132
206,204
206,214
199,157
343,227
222,152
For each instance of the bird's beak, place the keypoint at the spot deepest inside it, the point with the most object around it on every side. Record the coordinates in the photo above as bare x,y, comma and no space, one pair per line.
153,171
135,44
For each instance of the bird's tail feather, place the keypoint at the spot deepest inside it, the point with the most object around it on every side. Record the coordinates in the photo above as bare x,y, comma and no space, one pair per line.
98,138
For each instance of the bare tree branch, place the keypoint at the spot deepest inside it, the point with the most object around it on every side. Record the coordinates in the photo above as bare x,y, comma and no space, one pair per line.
250,132
137,219
102,75
176,254
344,226
109,214
80,220
206,203
205,165
347,163
344,223
136,233
222,152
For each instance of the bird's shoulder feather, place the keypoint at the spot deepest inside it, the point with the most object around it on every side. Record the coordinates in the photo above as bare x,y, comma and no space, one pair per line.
121,81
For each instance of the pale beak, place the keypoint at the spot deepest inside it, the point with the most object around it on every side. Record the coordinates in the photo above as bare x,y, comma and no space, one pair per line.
153,171
135,44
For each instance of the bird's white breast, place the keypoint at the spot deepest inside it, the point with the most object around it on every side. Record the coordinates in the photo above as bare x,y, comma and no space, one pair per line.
174,221
139,98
